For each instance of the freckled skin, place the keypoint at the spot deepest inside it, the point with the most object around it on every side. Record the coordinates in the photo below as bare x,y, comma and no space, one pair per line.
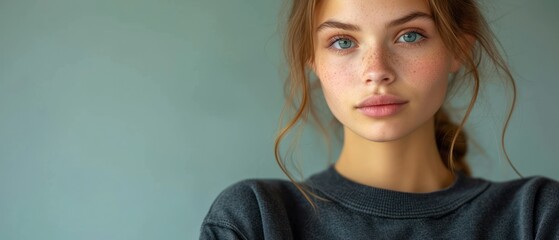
379,65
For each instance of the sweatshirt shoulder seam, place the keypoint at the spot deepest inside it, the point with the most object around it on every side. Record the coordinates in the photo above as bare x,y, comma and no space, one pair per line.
225,224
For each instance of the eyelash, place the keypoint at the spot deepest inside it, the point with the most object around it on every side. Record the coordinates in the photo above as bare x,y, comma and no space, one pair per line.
421,36
335,39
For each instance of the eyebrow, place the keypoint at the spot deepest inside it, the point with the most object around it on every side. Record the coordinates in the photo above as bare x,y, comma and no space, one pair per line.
336,24
351,27
410,17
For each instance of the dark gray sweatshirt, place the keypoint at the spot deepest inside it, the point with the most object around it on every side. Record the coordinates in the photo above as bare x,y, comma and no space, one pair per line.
471,208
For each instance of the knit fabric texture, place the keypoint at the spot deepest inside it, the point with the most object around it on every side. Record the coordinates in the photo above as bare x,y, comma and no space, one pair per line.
471,208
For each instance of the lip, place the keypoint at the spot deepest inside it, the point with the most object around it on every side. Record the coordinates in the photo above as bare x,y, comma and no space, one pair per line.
381,105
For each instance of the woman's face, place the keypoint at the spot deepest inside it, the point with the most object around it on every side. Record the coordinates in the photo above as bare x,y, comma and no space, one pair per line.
382,65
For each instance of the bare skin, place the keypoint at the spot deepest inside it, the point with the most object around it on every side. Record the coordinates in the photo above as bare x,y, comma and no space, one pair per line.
409,164
390,48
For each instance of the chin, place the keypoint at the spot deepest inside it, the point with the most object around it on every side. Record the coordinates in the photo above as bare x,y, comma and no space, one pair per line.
385,138
380,135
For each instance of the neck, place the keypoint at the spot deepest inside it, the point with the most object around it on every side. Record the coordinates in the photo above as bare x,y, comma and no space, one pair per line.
409,164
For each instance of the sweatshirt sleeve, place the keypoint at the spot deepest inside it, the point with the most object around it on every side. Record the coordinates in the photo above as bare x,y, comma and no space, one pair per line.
547,210
235,214
224,230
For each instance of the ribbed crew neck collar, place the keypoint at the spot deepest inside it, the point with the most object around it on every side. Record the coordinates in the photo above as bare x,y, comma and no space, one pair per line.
394,204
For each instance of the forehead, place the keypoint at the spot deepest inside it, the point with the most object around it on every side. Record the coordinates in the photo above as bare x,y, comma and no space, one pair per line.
367,11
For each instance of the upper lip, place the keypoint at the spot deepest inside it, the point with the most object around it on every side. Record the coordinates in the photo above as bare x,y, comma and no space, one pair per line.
378,100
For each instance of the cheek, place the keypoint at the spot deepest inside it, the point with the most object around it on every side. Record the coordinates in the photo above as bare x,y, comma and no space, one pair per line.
335,80
429,75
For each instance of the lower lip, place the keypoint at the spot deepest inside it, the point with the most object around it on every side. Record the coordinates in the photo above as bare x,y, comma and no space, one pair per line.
382,110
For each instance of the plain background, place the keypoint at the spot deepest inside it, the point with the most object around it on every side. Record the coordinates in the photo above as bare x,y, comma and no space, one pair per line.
124,119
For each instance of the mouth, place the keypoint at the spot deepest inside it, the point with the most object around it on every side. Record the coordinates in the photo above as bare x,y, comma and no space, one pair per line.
381,105
379,100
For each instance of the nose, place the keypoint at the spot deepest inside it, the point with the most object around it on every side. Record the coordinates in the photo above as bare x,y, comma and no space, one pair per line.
378,66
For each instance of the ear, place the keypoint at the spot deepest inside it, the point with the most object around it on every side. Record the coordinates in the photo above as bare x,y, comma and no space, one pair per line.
456,62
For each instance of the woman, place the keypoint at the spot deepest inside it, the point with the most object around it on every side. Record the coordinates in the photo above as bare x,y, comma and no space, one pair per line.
385,68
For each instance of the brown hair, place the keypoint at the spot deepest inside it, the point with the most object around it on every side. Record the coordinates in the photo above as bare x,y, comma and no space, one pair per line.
459,22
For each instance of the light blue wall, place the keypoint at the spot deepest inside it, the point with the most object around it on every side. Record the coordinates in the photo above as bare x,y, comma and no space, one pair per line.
124,119
527,31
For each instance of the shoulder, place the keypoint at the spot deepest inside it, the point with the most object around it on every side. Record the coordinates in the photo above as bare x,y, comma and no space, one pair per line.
536,188
535,199
245,206
540,191
251,193
257,187
545,194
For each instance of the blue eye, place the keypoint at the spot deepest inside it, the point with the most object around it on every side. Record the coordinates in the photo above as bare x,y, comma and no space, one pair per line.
343,43
410,37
